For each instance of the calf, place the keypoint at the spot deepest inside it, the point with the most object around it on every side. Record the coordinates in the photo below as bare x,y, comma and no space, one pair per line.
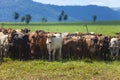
72,48
104,47
114,47
4,45
92,48
38,44
19,46
54,42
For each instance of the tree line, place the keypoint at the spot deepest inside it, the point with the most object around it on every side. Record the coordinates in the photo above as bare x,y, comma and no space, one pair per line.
62,17
26,18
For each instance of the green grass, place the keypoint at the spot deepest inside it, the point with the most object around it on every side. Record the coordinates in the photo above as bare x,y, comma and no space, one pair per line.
104,28
64,70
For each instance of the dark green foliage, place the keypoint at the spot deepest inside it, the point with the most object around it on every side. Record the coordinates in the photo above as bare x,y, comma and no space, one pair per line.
22,18
62,16
65,17
94,18
16,16
62,12
43,19
28,18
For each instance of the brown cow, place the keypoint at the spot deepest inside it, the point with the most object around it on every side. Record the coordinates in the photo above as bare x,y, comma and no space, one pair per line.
92,46
33,46
41,40
73,47
38,44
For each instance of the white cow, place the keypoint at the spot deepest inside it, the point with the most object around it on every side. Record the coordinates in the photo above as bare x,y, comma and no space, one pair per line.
4,45
54,42
114,47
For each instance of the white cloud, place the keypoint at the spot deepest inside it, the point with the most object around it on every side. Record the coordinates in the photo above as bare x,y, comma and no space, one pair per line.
97,3
109,3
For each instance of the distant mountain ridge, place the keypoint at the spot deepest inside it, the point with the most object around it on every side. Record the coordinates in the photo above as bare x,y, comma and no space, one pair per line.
51,12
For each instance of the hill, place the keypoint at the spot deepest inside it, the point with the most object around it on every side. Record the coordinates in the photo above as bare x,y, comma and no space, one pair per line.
51,12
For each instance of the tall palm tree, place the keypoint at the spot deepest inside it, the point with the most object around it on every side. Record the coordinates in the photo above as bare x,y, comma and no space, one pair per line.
28,18
16,16
94,18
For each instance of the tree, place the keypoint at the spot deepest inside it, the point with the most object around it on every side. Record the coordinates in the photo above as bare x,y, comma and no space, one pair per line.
22,18
43,19
94,18
60,18
62,12
65,17
28,18
16,16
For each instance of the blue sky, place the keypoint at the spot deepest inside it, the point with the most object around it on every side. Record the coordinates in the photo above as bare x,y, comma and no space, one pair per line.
108,3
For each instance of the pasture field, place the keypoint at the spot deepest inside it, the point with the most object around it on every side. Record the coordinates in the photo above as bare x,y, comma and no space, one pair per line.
62,70
107,28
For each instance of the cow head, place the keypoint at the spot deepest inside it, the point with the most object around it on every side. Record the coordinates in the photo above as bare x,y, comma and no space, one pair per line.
114,43
114,46
49,38
25,30
94,41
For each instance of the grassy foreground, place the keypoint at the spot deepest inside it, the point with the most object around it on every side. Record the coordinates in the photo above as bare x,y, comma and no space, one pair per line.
64,70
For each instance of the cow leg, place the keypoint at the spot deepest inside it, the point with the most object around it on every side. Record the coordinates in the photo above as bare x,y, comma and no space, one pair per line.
1,59
60,54
49,55
111,53
20,54
117,53
53,55
1,52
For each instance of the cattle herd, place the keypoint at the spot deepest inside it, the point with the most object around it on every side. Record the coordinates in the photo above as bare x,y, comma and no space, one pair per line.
22,44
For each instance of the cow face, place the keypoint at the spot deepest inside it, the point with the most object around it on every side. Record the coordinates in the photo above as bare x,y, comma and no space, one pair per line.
49,40
114,47
114,42
49,37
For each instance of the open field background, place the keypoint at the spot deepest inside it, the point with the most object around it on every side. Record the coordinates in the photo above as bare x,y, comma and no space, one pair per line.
63,70
106,28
